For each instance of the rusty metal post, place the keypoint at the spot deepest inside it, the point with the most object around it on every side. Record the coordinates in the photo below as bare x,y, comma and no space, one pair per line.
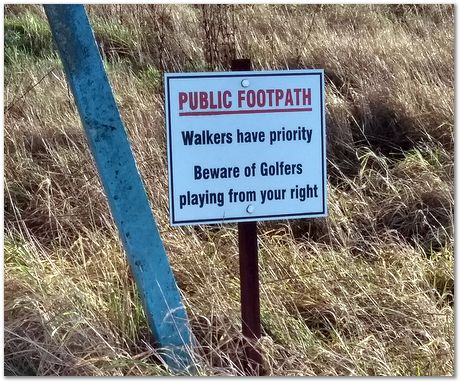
249,279
250,302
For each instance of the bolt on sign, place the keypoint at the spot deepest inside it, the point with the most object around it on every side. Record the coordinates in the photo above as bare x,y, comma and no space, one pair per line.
245,147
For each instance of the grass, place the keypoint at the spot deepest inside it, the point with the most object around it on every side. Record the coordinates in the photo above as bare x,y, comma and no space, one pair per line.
366,291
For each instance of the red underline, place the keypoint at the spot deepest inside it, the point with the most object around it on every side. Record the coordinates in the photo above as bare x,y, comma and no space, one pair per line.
221,112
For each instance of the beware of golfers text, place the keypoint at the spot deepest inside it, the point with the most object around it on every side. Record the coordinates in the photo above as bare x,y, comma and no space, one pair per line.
245,147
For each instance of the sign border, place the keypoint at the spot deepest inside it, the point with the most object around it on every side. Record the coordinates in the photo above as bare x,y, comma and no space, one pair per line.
176,76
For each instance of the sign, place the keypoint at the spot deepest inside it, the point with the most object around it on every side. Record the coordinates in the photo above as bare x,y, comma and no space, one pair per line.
245,146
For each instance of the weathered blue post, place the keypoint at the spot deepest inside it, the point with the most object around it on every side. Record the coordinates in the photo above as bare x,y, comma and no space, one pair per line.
122,183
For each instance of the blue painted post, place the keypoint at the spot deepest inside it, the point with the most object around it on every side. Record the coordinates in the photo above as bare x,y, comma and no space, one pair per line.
122,183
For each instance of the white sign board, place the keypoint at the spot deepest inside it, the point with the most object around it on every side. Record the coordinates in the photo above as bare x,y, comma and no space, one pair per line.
245,146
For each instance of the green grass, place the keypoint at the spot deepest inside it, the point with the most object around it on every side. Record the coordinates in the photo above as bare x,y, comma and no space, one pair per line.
27,34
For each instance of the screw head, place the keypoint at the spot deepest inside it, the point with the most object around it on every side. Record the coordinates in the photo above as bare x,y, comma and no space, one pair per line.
250,209
245,83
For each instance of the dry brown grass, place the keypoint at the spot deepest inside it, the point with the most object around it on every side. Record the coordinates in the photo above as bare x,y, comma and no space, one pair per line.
366,291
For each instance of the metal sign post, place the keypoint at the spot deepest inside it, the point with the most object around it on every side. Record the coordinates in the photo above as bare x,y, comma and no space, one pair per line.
249,277
122,183
249,287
